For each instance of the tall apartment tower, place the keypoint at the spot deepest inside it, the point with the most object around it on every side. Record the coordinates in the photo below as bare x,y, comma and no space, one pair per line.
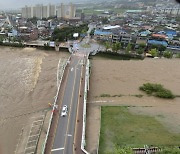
51,10
66,11
26,12
45,11
39,11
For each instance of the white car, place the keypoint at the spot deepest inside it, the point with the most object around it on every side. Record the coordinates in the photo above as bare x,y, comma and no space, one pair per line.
64,111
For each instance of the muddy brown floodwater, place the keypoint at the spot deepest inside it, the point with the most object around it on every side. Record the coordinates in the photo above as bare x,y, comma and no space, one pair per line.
27,85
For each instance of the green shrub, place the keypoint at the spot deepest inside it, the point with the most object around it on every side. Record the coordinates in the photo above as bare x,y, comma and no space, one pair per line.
140,51
154,52
149,88
168,54
165,94
157,90
142,45
178,55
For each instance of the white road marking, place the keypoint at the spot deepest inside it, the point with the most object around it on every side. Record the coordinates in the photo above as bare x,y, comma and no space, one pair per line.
72,69
57,149
69,135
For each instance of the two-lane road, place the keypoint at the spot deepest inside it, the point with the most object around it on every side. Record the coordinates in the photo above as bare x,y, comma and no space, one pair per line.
65,131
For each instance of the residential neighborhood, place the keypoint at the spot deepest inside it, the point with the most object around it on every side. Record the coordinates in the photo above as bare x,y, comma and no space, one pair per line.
146,24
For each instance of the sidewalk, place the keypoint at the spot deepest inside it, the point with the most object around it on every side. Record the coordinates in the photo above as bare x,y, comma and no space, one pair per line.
79,122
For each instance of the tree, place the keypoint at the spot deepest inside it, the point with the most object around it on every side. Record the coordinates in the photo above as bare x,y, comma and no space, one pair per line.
168,54
154,46
1,39
67,32
128,48
92,32
154,52
118,46
161,48
140,51
122,45
107,45
114,48
142,45
105,20
46,46
33,20
178,55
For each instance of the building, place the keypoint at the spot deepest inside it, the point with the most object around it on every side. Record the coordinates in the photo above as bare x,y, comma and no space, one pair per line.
27,12
66,11
101,34
51,10
169,10
157,42
39,11
45,12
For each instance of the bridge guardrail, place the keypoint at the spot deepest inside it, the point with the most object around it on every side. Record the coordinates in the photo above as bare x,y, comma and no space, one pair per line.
83,142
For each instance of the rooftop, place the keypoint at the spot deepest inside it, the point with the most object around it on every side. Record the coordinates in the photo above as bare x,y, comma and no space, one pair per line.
111,27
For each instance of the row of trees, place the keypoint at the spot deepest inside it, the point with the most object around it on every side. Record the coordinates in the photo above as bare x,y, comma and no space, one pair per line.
154,50
11,41
155,53
117,46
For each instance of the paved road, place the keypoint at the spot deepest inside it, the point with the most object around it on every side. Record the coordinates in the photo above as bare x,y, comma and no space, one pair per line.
64,138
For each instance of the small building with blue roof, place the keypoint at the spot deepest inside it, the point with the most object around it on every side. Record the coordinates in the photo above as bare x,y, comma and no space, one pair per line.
157,42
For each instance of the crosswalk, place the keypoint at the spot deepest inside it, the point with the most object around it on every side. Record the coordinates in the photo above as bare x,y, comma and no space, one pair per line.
34,134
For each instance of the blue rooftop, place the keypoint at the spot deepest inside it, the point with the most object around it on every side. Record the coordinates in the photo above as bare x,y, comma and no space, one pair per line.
171,32
100,32
164,43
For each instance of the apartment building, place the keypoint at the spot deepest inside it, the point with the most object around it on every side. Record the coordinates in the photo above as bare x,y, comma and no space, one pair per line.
45,11
66,11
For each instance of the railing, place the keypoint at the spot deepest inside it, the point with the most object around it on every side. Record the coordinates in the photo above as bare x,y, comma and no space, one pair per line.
55,102
146,150
83,142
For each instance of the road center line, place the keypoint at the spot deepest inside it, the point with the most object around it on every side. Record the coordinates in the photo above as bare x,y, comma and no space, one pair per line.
58,149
